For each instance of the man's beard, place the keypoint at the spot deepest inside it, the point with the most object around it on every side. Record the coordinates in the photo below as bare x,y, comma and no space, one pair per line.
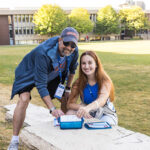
63,52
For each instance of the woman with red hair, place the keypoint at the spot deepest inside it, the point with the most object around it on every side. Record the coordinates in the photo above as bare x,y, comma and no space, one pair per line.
95,89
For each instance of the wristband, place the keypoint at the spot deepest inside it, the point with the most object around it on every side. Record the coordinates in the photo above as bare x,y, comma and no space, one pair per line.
52,109
67,88
68,91
96,102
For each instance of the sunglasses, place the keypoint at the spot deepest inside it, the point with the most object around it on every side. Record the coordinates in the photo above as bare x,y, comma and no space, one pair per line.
73,45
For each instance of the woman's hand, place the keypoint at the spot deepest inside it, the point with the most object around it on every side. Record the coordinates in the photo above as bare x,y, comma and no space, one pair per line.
83,112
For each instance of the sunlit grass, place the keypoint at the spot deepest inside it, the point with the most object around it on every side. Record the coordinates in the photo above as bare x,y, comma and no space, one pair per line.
122,47
127,63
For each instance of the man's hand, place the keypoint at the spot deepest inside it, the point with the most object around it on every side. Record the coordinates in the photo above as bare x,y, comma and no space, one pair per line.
83,112
57,113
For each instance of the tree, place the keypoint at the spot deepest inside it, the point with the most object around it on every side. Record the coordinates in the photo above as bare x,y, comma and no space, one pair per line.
50,19
80,20
133,19
107,21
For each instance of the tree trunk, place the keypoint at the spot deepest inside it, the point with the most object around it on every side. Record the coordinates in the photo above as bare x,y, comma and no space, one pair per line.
79,36
134,32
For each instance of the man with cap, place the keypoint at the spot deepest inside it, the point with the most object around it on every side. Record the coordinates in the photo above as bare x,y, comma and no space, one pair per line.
50,67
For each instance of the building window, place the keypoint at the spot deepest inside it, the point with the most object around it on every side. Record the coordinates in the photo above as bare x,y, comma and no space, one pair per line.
19,18
11,41
23,18
9,20
24,30
90,17
27,18
20,30
11,33
15,19
16,30
32,30
28,30
31,18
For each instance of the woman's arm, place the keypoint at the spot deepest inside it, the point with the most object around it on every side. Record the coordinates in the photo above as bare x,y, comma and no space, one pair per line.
72,102
99,102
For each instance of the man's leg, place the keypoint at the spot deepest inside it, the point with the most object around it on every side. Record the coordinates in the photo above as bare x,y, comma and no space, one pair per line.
20,112
18,119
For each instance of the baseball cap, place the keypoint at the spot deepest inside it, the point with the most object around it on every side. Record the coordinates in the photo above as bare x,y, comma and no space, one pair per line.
70,34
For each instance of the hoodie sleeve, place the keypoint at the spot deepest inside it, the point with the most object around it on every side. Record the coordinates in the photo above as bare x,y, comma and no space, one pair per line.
41,74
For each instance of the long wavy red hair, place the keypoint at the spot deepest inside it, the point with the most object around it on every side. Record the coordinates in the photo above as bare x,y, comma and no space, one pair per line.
100,75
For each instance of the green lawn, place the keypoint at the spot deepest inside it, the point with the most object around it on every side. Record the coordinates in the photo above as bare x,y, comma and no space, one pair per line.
127,63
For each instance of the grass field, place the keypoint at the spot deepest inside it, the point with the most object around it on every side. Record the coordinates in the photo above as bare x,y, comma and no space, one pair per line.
127,63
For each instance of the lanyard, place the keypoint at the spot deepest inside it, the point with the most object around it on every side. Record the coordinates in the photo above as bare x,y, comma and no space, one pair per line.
59,68
90,91
67,73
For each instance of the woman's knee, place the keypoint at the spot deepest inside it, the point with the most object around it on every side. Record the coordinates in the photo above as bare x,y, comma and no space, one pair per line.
110,120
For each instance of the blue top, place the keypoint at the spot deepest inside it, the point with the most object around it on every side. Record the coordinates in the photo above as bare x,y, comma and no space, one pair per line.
90,93
40,66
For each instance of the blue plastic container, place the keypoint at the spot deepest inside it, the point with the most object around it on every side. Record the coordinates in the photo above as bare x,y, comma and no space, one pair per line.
71,124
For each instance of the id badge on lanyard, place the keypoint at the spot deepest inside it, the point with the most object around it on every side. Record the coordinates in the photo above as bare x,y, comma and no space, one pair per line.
61,88
59,92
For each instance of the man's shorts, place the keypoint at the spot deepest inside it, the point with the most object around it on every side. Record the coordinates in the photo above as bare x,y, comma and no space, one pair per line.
52,86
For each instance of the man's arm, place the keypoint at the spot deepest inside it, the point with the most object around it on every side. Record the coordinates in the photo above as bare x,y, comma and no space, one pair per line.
48,102
56,112
70,79
40,78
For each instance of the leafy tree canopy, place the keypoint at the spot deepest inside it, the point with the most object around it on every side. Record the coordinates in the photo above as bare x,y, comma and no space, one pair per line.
107,21
50,19
133,18
79,18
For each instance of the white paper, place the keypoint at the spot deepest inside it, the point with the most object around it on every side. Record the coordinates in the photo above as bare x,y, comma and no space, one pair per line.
56,123
69,118
98,125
